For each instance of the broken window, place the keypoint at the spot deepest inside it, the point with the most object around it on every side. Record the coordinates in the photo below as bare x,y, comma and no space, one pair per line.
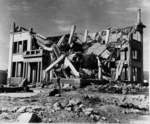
136,36
134,74
20,47
136,54
103,36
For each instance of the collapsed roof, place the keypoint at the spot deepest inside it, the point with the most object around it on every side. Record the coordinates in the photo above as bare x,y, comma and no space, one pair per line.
83,53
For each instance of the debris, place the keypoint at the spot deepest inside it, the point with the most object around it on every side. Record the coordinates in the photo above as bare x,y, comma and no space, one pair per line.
67,87
73,102
38,108
88,111
96,117
68,108
23,83
103,118
78,109
106,61
57,95
4,109
57,106
22,109
53,92
28,118
14,109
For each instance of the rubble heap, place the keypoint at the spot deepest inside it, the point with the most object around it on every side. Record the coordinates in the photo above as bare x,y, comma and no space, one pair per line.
86,56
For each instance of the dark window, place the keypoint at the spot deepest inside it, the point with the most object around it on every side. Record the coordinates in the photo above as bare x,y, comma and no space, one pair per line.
136,36
15,47
13,69
136,54
24,45
136,74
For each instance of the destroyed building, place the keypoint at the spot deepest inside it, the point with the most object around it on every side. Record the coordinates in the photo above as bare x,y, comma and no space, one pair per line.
112,54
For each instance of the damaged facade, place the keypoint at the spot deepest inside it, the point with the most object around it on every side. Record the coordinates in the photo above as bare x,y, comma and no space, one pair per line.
112,54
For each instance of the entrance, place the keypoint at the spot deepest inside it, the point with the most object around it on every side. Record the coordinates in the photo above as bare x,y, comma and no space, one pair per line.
33,77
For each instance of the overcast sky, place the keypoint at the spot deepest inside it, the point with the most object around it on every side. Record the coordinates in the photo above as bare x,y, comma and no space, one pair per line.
55,17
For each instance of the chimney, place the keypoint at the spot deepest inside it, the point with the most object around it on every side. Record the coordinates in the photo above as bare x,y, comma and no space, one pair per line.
139,16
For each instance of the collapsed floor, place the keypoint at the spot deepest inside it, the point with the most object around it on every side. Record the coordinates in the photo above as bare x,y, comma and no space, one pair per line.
111,54
99,55
75,105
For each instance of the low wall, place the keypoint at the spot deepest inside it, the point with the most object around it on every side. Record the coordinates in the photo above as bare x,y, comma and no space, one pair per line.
14,80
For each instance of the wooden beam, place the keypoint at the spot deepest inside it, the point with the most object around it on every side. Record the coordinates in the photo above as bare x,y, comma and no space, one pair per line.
41,70
11,48
38,69
41,36
71,34
23,70
65,74
44,47
107,36
99,68
68,63
26,74
56,50
54,63
22,84
85,36
16,69
61,40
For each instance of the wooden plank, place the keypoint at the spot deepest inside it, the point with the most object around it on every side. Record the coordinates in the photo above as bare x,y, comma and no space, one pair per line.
22,84
56,50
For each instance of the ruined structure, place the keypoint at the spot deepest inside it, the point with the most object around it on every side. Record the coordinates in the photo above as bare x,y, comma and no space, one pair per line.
112,54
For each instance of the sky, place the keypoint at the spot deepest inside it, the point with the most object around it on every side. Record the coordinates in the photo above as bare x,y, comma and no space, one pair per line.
55,17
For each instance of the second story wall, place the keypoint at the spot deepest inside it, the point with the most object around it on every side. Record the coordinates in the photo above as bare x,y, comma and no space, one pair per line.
22,42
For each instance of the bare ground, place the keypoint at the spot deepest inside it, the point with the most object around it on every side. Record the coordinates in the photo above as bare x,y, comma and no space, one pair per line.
77,106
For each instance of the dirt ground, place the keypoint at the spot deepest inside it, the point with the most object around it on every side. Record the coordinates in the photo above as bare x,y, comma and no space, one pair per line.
76,106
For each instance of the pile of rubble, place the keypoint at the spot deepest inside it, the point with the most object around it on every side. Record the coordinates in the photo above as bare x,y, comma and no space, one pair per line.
74,106
86,56
117,87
